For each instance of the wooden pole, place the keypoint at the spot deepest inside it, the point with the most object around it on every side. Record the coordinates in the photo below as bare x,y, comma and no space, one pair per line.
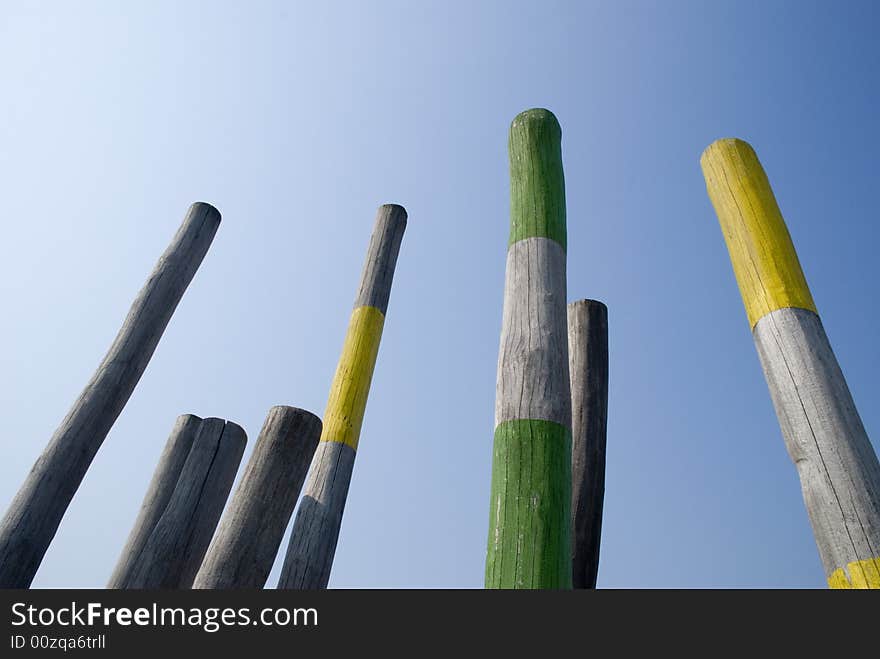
315,532
838,468
174,551
36,511
529,530
165,478
244,548
588,368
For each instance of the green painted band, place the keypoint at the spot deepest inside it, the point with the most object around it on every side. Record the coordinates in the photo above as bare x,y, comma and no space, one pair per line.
537,183
529,527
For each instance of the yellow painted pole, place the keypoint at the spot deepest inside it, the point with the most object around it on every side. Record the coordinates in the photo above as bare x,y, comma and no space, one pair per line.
316,528
837,466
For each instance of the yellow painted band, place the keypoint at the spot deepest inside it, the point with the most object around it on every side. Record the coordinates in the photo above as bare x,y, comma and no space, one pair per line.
862,574
351,383
764,260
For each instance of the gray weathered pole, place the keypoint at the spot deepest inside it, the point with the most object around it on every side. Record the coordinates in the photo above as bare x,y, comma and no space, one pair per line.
165,478
529,543
588,370
174,551
838,468
316,526
246,543
36,511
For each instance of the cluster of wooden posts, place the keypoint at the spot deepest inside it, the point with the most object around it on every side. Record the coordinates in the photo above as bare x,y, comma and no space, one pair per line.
550,411
548,473
182,538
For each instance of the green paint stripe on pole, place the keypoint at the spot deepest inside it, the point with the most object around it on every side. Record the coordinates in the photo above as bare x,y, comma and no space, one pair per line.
537,190
531,498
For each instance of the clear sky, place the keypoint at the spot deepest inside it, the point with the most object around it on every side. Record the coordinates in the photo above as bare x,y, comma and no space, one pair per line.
298,119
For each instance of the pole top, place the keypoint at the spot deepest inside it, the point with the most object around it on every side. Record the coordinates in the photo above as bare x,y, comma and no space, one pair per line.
536,118
586,302
731,143
204,207
537,182
761,251
291,412
393,208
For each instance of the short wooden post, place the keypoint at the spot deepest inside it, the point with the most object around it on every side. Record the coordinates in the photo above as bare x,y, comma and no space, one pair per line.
315,531
838,468
588,370
165,478
174,551
36,511
246,543
529,530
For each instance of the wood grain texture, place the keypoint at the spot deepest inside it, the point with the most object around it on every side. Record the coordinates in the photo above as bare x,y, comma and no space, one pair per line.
857,575
316,527
378,272
838,468
529,529
175,549
824,435
529,544
165,478
533,380
312,546
36,511
350,388
246,543
537,182
588,368
764,260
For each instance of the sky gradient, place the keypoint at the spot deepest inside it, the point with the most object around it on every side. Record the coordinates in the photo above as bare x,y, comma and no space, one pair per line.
297,120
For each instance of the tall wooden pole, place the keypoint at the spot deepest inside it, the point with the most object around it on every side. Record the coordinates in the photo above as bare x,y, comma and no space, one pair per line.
177,544
838,468
529,538
165,477
588,368
246,543
37,509
315,531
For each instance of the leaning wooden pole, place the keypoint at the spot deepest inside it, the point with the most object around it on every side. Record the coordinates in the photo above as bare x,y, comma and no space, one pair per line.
37,509
588,369
838,468
165,477
246,543
529,540
315,531
172,554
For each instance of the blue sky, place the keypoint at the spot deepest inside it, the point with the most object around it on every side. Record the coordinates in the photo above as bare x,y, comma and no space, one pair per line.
298,119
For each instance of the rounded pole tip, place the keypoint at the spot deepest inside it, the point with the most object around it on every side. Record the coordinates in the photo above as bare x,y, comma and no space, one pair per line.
291,411
393,209
536,118
206,208
588,303
395,214
234,432
734,143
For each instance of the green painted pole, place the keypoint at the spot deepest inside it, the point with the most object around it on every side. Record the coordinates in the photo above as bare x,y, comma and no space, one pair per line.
529,527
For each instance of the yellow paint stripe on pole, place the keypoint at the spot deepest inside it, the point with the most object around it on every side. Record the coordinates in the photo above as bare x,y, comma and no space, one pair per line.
351,383
763,257
862,575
